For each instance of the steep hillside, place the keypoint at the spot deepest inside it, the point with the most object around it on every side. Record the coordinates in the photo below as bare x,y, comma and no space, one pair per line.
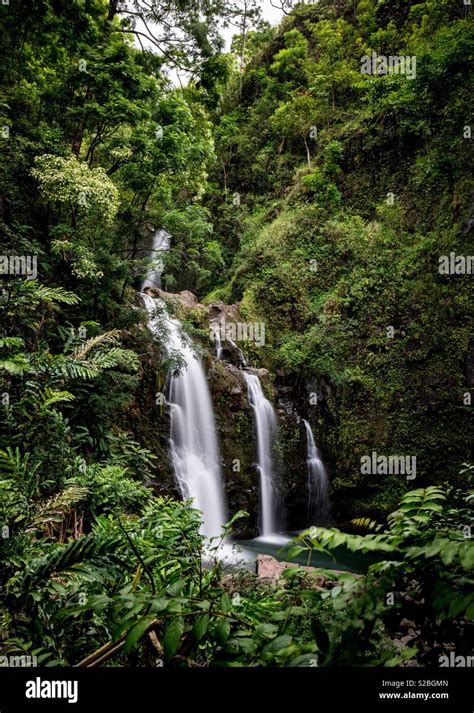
335,195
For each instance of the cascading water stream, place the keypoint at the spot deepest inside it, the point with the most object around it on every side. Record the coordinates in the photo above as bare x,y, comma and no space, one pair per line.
265,425
219,349
239,352
318,504
193,439
216,330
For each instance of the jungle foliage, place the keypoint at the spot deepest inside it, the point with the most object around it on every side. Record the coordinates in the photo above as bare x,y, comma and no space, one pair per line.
350,187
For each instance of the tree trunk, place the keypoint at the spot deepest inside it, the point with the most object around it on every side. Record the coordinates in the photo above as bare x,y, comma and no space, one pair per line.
112,10
79,133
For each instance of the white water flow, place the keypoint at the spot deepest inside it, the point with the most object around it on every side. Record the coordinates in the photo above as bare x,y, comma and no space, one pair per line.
193,439
317,481
161,245
219,349
265,426
216,331
240,353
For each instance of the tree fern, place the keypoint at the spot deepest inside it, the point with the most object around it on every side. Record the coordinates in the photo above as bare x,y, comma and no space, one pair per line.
55,294
116,358
34,292
64,366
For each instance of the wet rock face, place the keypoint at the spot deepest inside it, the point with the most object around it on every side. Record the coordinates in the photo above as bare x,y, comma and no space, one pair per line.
149,422
236,435
344,422
220,312
238,446
292,453
184,298
235,423
295,401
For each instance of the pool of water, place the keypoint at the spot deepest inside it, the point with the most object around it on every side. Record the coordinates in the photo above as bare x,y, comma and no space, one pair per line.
278,546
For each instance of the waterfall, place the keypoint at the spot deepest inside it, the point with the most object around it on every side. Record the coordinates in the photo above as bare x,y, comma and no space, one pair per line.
216,329
239,352
161,244
318,505
219,349
193,439
265,425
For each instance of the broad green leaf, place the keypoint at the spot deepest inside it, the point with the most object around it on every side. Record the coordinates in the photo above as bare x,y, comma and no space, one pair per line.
295,551
280,642
466,555
225,603
200,627
172,636
136,633
223,631
448,553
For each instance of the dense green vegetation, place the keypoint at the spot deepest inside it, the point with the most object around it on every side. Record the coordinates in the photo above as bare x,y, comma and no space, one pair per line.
320,200
351,188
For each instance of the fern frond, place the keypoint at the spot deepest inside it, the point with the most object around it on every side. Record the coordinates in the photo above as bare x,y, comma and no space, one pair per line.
6,342
116,357
15,365
79,367
42,293
83,350
60,366
50,397
80,370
